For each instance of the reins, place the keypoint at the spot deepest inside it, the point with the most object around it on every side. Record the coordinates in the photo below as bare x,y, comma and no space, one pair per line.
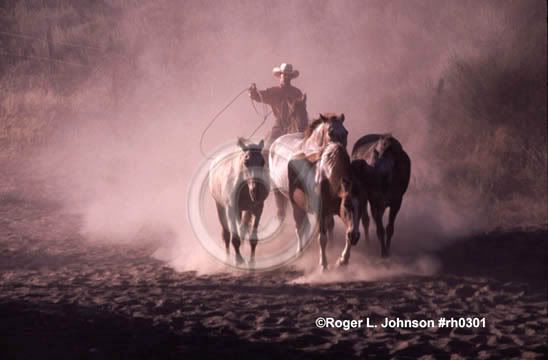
212,121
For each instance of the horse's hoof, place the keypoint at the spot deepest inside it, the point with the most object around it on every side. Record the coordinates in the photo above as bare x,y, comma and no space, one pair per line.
354,238
323,266
342,262
239,260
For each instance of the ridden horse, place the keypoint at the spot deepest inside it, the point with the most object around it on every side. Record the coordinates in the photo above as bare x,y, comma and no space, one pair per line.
325,188
239,184
384,169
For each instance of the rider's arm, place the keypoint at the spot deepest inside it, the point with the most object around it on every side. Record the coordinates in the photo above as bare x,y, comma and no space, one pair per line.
264,96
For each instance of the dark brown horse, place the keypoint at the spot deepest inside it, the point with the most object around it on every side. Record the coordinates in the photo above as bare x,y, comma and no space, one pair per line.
384,169
239,184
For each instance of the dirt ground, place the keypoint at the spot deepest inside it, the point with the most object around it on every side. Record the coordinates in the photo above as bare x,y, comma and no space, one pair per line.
62,297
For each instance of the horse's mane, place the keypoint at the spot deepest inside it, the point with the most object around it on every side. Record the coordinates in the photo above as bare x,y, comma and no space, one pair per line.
312,126
336,159
334,151
372,139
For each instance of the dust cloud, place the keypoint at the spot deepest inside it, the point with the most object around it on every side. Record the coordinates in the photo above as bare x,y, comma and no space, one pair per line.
126,159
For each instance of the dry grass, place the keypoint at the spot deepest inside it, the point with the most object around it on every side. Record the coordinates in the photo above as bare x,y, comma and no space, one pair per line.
36,94
490,127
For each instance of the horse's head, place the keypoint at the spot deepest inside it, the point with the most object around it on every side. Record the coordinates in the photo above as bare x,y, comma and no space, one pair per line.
252,166
350,210
384,142
333,129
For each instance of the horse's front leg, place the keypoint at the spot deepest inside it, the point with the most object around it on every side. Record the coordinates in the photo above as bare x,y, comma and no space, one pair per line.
221,213
244,220
301,225
234,237
323,242
377,213
365,221
323,217
254,238
330,228
345,255
281,205
352,232
394,208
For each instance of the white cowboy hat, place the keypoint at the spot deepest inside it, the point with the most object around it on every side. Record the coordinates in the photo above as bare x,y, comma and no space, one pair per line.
285,69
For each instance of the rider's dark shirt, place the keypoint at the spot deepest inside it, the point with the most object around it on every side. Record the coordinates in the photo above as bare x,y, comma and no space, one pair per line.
278,97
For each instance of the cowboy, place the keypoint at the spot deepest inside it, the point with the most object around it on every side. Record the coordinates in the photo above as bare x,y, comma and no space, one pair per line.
279,98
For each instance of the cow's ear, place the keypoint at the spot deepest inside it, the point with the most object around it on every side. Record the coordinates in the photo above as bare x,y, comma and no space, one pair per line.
342,117
323,117
241,143
261,145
